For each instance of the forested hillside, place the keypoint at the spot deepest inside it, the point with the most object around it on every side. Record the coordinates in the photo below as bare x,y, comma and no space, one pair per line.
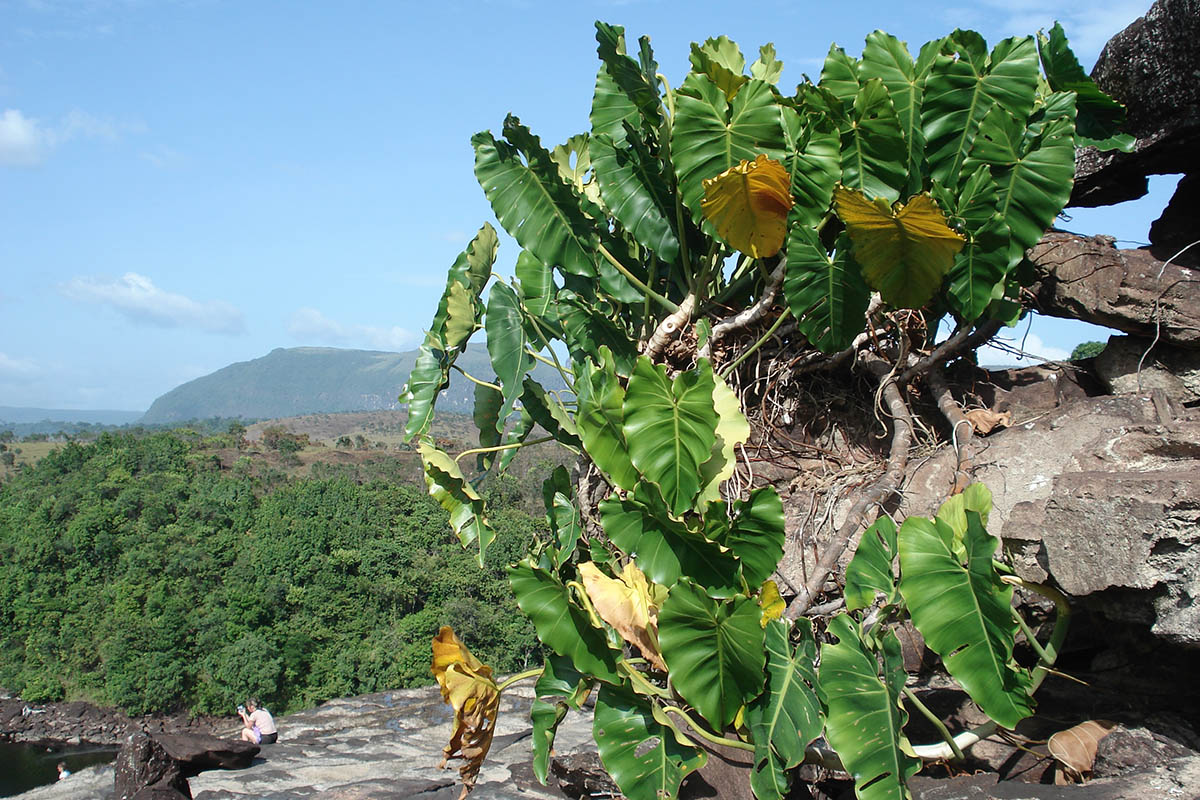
136,571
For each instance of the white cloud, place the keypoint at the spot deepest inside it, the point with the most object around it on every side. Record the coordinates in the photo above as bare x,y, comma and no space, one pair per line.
15,366
311,325
136,298
22,141
1088,25
26,141
1020,351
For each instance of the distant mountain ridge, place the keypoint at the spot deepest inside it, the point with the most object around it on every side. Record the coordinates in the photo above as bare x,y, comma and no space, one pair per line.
21,415
289,382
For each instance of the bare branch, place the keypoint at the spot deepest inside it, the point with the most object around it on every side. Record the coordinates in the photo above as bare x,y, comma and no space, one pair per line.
669,327
962,341
960,427
750,315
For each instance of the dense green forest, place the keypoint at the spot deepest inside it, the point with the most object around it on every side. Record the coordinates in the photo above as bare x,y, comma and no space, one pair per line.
137,571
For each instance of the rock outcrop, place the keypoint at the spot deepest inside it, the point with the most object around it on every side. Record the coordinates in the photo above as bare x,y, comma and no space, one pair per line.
1132,291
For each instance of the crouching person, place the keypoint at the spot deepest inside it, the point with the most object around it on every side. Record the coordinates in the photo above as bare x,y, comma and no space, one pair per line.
258,724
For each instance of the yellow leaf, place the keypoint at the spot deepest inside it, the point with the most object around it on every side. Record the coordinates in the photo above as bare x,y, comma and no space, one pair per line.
468,687
749,206
772,604
904,253
625,604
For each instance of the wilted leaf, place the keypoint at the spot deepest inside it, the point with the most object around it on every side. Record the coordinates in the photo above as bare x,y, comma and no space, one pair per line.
625,604
467,686
749,205
732,430
1075,748
904,254
984,420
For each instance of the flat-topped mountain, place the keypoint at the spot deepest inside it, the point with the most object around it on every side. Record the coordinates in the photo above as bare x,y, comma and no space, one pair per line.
289,382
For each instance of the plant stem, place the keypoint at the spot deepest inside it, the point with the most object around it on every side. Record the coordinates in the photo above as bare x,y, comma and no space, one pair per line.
475,380
703,734
1043,656
532,673
937,723
544,340
629,276
787,312
500,447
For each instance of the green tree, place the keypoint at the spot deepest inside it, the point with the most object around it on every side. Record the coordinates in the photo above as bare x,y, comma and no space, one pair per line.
1087,350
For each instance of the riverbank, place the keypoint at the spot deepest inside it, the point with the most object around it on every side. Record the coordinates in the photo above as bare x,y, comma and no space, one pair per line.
83,723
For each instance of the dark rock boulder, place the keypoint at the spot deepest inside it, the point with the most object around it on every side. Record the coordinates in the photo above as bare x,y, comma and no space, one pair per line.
1151,67
145,770
196,752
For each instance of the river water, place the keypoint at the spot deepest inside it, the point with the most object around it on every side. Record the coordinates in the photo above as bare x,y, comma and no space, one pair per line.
26,766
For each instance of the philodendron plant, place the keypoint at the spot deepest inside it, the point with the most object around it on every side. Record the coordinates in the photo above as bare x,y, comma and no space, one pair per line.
660,250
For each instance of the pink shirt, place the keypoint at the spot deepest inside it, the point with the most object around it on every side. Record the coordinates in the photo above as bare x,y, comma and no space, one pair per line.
261,719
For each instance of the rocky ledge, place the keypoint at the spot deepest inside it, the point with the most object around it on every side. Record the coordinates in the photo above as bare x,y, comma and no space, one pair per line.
389,745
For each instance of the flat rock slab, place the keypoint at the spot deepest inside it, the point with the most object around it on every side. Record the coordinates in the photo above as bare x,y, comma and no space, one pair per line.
389,745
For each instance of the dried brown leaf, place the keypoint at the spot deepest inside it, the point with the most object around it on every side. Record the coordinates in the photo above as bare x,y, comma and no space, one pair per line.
984,420
1075,748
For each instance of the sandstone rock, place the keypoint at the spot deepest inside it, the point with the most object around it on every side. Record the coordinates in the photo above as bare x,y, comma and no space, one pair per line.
1127,750
143,764
1088,278
1130,365
1102,499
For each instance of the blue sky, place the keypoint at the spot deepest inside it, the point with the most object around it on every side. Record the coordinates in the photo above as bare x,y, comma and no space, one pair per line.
188,184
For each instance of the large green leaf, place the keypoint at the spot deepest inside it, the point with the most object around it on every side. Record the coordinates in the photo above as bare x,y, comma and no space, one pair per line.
874,154
549,413
814,162
545,718
732,429
670,426
518,433
664,548
587,329
767,67
600,417
536,282
827,294
455,494
506,343
566,524
1034,169
709,135
964,612
786,717
532,202
959,92
721,60
628,76
470,271
755,534
486,416
839,75
887,58
633,189
560,624
870,571
430,374
560,679
641,754
984,260
865,717
1099,115
714,650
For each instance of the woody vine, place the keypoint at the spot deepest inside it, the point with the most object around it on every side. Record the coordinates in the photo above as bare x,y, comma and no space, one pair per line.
693,234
